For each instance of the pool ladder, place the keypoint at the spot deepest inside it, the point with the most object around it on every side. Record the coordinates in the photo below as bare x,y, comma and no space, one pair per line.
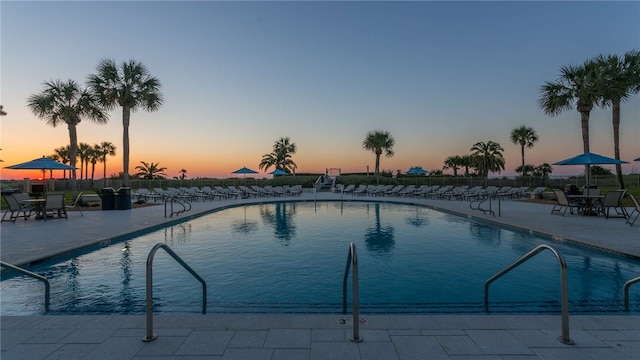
564,302
352,261
625,291
150,335
186,206
47,285
481,200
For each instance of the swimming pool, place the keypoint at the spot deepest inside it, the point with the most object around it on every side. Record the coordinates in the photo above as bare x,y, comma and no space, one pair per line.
290,257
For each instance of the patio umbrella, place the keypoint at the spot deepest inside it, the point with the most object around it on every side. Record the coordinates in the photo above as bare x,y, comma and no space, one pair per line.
43,164
589,159
416,171
244,171
636,159
278,172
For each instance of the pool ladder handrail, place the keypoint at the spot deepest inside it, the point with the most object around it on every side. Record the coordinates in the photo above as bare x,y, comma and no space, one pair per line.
625,291
481,199
352,261
564,303
47,285
149,303
186,205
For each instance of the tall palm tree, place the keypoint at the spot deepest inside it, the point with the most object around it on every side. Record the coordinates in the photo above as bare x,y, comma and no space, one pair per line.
63,156
621,79
281,156
65,102
524,136
150,171
466,161
84,153
105,149
576,86
488,158
379,141
130,86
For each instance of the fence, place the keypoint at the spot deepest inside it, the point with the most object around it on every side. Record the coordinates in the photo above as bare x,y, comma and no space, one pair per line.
631,182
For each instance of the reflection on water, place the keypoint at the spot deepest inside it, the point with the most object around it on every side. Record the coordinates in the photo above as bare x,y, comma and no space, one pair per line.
485,234
125,265
244,226
379,239
177,234
280,216
419,219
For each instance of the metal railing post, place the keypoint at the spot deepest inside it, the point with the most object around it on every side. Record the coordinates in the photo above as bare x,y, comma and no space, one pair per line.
150,336
564,287
352,259
47,285
625,291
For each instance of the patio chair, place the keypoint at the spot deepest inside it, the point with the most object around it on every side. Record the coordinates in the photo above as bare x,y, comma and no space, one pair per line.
613,200
15,208
563,203
75,204
635,213
54,203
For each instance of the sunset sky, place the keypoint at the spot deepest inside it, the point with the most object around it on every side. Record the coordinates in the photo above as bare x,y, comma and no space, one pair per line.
236,76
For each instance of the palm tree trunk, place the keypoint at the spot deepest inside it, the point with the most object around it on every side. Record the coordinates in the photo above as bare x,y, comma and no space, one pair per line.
73,151
584,122
126,114
104,162
615,115
524,171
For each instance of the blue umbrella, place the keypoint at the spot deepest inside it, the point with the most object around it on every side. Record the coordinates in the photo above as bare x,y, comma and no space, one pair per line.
42,163
278,172
590,159
245,170
416,171
637,159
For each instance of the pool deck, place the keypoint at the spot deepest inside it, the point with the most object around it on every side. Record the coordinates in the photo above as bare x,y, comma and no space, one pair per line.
284,336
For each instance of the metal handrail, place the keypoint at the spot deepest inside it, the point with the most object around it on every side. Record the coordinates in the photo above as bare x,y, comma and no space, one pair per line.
47,285
625,291
352,259
564,304
150,335
171,200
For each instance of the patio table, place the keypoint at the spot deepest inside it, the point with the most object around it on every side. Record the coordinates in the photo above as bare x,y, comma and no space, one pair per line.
587,203
38,206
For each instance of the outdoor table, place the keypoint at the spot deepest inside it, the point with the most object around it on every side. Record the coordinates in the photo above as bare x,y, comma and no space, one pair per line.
38,206
587,203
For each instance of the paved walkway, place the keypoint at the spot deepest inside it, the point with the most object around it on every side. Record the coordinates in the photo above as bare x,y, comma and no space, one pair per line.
237,336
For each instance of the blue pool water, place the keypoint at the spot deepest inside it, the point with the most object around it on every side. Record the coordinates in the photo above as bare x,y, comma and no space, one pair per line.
291,257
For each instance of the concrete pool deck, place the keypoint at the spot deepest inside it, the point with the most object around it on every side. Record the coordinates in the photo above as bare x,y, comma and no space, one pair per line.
282,336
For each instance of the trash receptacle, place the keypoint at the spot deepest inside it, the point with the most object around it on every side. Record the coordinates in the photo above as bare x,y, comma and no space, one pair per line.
123,200
108,198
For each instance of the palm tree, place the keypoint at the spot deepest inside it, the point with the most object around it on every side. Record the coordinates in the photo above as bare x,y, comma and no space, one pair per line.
105,149
129,86
576,86
466,161
488,158
280,157
94,157
183,174
525,136
621,79
62,153
454,163
379,141
150,171
65,102
83,154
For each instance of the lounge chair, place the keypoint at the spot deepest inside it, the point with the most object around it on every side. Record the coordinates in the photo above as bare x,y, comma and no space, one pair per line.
563,203
54,204
635,213
613,200
75,204
15,208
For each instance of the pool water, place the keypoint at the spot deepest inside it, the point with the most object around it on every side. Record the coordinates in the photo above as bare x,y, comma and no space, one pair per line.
291,256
